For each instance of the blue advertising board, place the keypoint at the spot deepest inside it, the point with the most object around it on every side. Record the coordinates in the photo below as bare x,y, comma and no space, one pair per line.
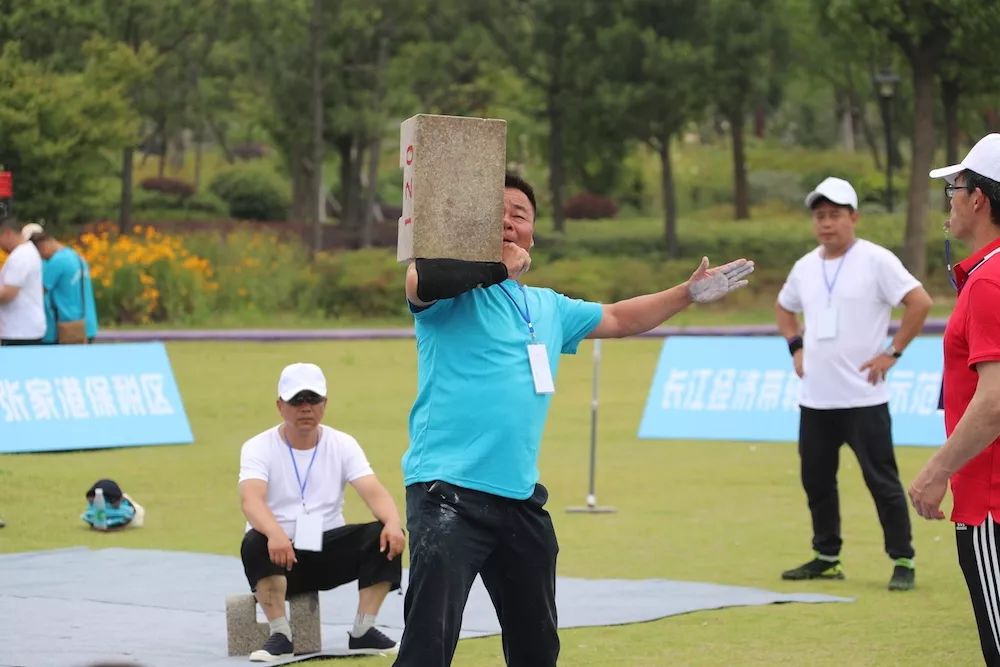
744,388
61,397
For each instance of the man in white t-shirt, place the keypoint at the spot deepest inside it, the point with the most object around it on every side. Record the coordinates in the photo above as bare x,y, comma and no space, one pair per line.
292,481
846,289
22,306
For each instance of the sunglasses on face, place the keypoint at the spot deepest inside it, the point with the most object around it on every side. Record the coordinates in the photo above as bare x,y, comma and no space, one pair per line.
303,397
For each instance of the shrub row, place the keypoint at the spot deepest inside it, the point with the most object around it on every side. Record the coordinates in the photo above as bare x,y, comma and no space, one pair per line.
150,276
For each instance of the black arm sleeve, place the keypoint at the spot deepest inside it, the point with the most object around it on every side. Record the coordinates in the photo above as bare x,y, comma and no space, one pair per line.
445,278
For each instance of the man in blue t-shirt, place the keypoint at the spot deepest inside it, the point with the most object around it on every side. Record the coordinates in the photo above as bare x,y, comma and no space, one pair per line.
488,351
69,293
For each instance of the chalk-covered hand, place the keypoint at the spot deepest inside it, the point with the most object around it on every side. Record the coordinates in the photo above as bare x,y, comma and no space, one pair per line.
707,285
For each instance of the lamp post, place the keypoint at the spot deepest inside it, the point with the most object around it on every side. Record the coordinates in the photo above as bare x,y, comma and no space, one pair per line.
886,82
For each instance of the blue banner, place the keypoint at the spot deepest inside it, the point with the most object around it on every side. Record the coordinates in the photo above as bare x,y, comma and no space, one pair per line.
60,397
744,388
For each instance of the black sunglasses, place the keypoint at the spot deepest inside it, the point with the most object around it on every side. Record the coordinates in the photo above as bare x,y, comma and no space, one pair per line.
310,397
949,190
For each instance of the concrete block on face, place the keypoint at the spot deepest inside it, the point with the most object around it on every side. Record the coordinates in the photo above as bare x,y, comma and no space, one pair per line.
453,174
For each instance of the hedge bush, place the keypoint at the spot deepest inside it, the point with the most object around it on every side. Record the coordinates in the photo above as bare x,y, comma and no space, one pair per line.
588,206
367,283
168,186
252,193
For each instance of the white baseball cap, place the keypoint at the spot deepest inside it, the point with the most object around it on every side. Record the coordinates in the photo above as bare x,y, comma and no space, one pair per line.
984,159
837,190
301,377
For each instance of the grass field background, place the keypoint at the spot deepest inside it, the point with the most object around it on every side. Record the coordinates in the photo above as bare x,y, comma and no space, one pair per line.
721,512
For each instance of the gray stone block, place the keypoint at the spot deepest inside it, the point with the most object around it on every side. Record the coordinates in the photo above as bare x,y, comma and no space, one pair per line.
245,634
453,173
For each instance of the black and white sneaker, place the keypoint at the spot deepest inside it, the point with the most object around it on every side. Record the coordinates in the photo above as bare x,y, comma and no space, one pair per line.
372,642
276,647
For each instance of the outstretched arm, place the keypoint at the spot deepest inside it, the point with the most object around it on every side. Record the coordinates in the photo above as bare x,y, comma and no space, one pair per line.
639,314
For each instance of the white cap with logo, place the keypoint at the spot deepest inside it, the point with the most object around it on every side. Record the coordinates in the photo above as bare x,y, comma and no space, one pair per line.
837,190
301,377
984,159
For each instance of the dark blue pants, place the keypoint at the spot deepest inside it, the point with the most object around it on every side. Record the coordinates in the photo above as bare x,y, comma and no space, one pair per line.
457,533
867,431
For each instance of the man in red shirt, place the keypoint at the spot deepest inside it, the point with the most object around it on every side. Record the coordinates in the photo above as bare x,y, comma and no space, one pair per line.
970,458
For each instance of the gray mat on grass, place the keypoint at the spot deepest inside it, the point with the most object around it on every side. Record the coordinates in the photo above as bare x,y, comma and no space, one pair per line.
161,608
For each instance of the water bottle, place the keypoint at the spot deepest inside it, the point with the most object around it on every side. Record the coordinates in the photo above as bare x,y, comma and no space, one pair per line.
100,510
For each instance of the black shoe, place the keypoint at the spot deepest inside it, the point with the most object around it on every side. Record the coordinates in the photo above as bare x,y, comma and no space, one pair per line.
815,569
276,647
372,642
903,578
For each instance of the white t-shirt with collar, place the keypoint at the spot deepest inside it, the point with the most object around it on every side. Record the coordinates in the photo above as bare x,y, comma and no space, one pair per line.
23,318
870,282
339,461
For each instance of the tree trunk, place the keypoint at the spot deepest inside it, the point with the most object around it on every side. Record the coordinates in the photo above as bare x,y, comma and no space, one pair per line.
759,120
869,135
220,138
741,186
950,94
556,175
350,181
669,197
199,150
374,146
344,150
371,192
125,207
316,140
303,208
914,250
992,119
847,129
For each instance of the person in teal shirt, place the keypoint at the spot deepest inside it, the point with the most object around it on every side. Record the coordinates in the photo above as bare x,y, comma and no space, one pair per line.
63,269
488,350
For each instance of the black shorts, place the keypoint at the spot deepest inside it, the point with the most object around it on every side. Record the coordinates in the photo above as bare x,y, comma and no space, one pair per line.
349,552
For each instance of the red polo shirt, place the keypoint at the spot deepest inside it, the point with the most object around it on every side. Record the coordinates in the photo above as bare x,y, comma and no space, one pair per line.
973,336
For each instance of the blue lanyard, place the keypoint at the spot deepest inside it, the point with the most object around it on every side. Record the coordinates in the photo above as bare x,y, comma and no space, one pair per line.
526,314
830,284
295,466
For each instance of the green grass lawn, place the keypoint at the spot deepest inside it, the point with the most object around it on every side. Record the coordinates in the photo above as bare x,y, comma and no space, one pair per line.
722,512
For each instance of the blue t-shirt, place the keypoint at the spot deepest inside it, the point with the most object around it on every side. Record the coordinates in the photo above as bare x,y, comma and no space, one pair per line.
477,421
61,275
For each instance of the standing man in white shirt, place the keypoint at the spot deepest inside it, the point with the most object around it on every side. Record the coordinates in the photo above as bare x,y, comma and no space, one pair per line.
22,305
292,480
846,289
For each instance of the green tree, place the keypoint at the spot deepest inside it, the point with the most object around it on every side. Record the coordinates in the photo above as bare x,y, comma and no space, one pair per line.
542,42
928,33
748,54
60,130
659,83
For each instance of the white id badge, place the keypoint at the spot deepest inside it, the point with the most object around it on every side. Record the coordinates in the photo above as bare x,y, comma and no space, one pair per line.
827,324
309,532
541,372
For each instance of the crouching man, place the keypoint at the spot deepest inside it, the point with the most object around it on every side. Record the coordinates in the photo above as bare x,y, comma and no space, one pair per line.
292,481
